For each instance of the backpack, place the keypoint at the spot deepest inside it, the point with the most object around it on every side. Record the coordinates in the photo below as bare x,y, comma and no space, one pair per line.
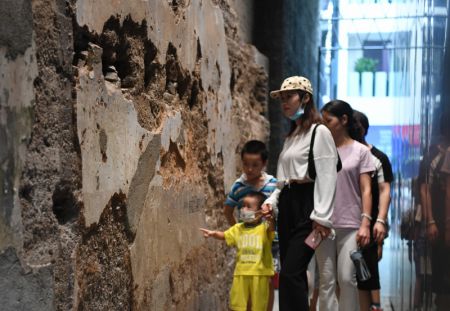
311,165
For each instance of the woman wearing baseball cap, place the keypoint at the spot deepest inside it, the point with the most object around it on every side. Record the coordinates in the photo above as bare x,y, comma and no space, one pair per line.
305,196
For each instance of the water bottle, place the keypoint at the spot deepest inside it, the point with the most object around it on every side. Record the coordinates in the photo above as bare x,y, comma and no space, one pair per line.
362,271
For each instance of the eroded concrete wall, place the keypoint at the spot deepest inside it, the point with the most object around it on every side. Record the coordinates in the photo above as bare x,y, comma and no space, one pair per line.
40,163
122,123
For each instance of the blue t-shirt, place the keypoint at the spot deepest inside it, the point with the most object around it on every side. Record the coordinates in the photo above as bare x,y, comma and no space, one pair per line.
240,189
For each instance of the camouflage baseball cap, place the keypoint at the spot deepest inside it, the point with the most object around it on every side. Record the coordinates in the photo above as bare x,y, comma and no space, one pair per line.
295,83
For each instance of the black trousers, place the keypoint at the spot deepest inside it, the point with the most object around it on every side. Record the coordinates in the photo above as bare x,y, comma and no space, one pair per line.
296,203
440,256
370,254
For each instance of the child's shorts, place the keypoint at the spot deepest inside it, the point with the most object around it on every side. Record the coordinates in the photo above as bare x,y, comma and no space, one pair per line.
249,286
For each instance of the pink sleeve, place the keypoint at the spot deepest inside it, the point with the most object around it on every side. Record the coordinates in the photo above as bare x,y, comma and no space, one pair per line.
366,163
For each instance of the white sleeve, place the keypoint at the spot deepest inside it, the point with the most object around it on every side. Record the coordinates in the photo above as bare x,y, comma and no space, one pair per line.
325,160
273,200
379,171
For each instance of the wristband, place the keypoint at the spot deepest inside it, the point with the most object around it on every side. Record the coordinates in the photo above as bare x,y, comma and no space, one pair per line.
381,221
367,216
431,222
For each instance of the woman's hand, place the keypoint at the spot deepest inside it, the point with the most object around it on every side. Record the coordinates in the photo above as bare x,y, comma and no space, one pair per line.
322,230
363,236
267,208
379,232
432,232
267,215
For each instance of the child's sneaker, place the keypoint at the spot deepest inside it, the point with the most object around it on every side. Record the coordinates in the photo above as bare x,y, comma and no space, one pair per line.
375,308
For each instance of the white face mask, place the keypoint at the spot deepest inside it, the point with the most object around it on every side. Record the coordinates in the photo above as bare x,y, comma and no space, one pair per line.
248,216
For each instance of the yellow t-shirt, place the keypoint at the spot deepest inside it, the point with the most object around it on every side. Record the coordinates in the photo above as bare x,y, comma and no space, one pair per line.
254,248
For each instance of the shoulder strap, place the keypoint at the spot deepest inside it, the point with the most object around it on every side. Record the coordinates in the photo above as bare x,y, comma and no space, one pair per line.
311,164
339,163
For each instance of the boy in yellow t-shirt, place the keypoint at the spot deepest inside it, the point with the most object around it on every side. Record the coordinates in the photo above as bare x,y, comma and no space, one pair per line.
254,267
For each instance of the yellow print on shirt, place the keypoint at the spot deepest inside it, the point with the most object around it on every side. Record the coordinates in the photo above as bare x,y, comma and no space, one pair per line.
251,246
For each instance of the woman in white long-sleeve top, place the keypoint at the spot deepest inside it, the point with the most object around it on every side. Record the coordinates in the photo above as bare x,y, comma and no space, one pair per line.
303,202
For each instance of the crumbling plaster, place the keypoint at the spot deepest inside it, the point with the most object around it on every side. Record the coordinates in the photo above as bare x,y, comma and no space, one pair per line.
204,23
118,155
16,100
117,177
102,108
18,68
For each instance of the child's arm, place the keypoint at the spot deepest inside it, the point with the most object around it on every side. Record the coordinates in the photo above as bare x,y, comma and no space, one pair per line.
268,215
271,203
231,202
219,235
228,211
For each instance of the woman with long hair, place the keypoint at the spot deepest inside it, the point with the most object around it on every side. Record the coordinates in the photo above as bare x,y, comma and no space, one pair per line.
352,212
304,202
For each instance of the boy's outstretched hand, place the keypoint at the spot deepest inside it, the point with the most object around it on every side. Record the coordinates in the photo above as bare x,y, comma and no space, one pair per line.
210,233
206,233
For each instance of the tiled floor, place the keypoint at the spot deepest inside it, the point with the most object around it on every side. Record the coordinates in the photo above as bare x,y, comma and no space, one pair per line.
396,276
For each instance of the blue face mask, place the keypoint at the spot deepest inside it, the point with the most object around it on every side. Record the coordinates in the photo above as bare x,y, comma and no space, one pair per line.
300,111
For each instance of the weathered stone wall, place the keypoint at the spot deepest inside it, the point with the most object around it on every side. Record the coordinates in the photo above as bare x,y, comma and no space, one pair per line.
120,126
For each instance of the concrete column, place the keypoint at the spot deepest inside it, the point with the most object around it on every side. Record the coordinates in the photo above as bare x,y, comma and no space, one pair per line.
287,32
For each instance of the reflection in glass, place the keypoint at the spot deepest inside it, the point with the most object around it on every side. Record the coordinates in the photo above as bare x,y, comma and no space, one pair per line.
387,59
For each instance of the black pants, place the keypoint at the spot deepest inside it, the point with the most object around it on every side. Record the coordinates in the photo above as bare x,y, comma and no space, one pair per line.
370,254
440,256
295,205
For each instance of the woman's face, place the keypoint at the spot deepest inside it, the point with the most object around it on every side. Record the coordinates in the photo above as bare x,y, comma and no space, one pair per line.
359,128
290,102
335,125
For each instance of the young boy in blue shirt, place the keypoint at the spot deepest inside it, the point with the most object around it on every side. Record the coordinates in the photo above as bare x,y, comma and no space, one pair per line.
254,160
254,267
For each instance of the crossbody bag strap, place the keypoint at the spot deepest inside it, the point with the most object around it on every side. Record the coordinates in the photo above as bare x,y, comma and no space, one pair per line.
311,164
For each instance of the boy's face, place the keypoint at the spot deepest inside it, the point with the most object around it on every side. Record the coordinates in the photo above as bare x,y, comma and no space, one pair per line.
250,204
252,165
